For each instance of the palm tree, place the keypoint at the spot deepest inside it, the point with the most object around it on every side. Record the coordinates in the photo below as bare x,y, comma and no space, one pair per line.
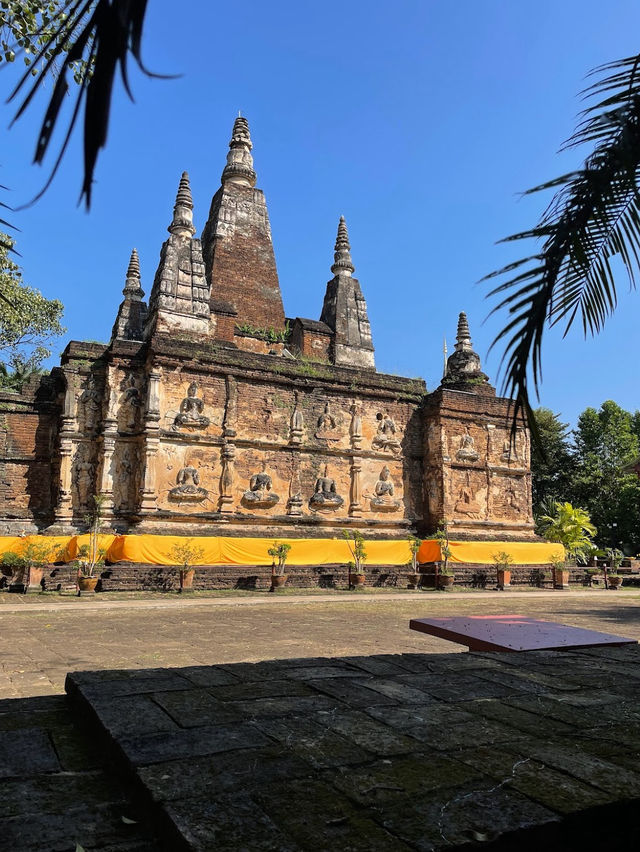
569,526
594,215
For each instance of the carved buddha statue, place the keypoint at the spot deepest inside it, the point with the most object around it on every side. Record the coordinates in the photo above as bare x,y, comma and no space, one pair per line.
326,496
385,438
384,491
191,407
260,495
467,451
188,487
466,504
327,430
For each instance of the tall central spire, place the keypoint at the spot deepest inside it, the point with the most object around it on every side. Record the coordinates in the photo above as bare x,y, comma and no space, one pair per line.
240,266
239,168
182,222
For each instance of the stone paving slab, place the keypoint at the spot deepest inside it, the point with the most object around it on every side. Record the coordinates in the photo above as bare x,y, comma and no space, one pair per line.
397,752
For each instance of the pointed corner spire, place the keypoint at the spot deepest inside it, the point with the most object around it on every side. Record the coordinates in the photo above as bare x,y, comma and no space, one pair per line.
342,256
463,336
239,168
182,223
463,366
132,288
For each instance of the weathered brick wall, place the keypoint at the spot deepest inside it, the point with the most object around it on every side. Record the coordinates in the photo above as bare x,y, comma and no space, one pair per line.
239,258
28,465
474,478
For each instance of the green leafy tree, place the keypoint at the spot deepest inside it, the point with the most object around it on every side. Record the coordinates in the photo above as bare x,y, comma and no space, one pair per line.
28,323
594,214
32,28
552,463
570,527
605,446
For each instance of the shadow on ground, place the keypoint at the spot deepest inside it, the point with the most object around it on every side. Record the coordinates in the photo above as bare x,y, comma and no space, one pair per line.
384,752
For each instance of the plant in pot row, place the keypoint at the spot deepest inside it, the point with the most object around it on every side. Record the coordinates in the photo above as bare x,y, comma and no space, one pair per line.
560,571
185,554
355,542
26,568
412,565
90,557
278,553
503,562
612,580
443,573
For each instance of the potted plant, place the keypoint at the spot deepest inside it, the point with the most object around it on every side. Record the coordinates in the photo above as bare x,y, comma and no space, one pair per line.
442,568
27,567
355,541
503,562
560,571
612,579
14,568
445,577
279,551
185,553
412,565
91,555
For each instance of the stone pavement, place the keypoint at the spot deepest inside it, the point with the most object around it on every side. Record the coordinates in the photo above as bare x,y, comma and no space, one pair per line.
381,752
59,790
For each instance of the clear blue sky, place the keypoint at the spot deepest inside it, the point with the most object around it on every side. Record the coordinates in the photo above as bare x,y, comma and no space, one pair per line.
420,121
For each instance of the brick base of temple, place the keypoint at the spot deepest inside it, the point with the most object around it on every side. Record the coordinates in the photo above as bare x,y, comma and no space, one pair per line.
145,577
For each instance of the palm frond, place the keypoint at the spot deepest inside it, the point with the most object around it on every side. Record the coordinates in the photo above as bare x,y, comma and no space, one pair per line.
96,37
593,216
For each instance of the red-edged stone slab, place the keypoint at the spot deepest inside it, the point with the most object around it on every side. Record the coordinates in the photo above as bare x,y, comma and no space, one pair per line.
514,633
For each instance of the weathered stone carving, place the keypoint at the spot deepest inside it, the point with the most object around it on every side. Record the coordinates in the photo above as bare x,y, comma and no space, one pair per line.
259,495
132,400
327,430
191,407
385,438
466,504
91,402
355,490
355,427
384,491
83,477
294,504
512,499
226,478
467,451
297,422
325,498
509,451
188,487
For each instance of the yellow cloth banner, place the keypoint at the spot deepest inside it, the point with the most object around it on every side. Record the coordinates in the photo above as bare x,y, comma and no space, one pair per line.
159,550
56,545
482,552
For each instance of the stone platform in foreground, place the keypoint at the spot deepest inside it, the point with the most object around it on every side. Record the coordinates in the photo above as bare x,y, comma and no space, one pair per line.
406,751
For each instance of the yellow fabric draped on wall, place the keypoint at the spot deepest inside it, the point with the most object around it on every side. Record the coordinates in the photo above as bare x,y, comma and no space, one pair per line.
158,550
483,552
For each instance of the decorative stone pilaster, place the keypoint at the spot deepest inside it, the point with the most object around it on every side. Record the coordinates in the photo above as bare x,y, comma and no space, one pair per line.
149,499
64,507
294,504
226,478
109,435
296,432
355,494
355,427
230,408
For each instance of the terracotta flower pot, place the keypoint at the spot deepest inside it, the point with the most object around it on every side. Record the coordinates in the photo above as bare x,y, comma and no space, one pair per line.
35,574
504,578
414,581
87,585
356,581
614,582
560,578
278,581
445,581
186,580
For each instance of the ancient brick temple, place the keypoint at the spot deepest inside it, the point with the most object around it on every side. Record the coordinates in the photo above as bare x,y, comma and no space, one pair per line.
210,412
